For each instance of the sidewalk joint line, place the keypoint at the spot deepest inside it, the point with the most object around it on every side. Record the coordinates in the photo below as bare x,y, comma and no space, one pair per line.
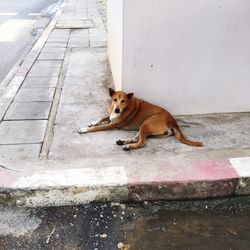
16,120
49,133
24,143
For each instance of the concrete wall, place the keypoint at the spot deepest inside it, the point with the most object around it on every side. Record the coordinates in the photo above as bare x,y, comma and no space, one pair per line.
189,56
115,39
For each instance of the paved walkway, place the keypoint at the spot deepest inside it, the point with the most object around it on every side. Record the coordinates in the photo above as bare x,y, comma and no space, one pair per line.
62,84
27,110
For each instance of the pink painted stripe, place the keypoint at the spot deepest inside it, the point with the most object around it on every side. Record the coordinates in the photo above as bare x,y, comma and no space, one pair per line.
7,178
210,170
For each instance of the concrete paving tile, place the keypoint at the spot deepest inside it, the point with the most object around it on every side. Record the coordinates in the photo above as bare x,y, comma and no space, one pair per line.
79,15
60,32
3,108
16,156
51,56
98,34
55,45
56,38
94,44
44,71
65,16
35,95
28,111
81,33
53,50
78,43
48,63
9,93
19,132
40,82
77,23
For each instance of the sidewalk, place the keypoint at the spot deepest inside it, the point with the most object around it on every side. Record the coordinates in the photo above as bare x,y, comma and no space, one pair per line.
64,83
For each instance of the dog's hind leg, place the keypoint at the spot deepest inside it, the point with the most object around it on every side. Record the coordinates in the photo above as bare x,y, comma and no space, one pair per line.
124,142
154,125
166,134
140,143
143,134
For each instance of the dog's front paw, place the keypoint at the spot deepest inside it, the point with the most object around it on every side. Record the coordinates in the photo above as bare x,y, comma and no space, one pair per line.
119,142
92,124
82,130
126,148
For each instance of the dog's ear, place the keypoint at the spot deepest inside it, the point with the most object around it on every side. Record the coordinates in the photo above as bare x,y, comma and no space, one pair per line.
130,95
111,92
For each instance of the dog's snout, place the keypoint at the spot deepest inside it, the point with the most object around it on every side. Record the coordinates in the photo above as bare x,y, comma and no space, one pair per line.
117,111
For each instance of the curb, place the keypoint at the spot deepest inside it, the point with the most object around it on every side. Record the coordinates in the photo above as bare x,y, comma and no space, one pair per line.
17,75
220,178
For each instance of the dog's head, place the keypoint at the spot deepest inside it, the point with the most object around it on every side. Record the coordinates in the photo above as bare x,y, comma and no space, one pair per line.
120,101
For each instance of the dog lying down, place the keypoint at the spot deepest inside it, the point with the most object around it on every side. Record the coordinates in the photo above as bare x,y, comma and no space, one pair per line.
130,113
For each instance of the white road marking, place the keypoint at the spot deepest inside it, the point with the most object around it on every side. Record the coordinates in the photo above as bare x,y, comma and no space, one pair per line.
8,14
34,14
11,30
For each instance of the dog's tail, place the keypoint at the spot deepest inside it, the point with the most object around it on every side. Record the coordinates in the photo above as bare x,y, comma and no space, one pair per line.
180,137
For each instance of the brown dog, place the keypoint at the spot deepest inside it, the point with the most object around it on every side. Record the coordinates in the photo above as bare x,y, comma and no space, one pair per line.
130,113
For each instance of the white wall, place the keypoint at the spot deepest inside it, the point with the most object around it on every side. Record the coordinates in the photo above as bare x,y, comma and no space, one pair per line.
115,39
189,56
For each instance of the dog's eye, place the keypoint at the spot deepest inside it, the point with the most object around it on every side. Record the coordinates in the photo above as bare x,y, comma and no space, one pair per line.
123,101
115,100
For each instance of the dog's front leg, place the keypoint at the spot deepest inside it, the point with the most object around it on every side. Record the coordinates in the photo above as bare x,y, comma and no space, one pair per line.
101,127
99,122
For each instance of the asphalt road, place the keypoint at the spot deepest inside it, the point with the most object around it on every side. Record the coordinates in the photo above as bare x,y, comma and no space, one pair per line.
201,225
21,23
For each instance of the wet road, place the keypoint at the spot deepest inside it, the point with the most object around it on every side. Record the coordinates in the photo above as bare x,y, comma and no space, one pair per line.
220,224
21,22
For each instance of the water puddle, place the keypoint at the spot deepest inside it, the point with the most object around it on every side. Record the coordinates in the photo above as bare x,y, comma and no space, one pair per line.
190,230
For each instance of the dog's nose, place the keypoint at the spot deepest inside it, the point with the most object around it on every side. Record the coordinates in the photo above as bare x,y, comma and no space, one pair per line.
117,111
